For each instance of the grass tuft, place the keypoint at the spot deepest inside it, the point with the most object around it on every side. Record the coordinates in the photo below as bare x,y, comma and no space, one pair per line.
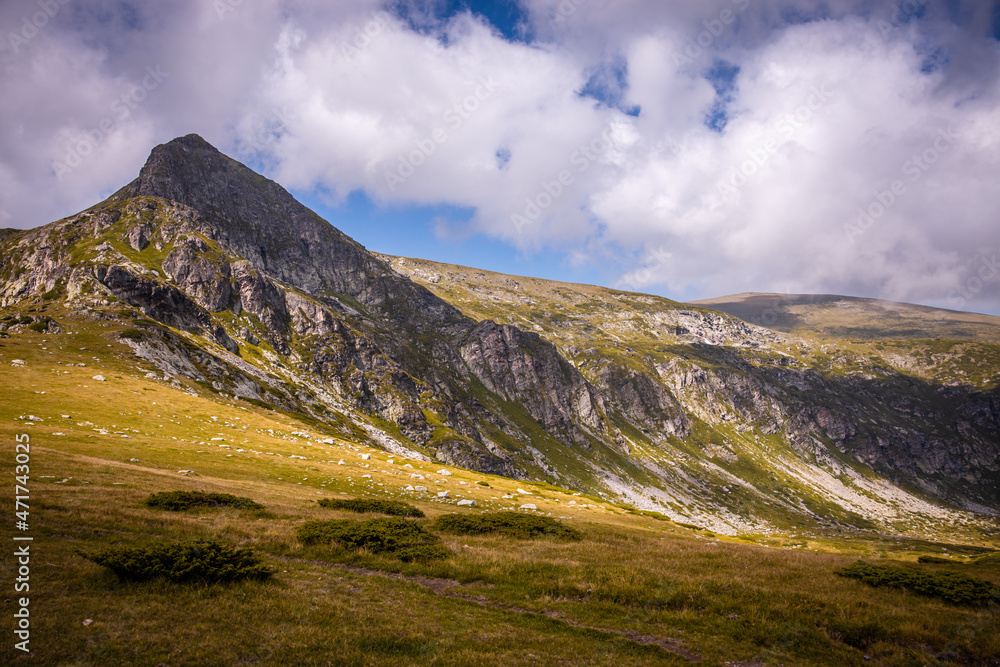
202,561
397,538
952,587
178,501
362,505
512,524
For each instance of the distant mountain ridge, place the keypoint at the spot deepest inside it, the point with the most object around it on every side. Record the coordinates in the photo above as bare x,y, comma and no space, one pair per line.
223,278
855,317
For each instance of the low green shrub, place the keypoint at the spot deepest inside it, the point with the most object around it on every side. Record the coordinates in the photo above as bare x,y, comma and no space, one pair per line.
361,505
512,524
935,559
178,501
486,484
41,326
952,587
202,561
393,537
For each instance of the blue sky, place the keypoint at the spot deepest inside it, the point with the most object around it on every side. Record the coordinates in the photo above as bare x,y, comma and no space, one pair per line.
409,231
690,148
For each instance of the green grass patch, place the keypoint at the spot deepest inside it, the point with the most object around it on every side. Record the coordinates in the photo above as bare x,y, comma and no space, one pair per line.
132,334
935,559
361,505
952,587
393,537
202,561
179,501
511,524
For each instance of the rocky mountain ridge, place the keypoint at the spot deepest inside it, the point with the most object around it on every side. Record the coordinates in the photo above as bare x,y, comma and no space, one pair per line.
224,279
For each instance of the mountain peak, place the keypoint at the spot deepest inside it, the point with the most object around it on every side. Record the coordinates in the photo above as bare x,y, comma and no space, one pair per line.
254,216
176,169
256,219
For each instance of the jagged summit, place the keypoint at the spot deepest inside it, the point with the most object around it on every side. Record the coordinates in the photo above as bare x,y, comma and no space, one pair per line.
257,218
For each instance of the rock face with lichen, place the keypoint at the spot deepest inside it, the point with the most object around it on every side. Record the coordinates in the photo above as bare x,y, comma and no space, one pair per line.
229,281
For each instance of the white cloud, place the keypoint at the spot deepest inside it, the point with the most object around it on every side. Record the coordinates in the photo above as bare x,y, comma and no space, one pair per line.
824,117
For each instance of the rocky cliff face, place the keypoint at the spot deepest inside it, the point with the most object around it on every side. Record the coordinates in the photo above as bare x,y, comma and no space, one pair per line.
225,279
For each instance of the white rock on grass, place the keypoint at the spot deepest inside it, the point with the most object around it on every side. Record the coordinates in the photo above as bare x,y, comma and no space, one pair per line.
529,506
466,503
420,488
408,487
523,492
444,472
341,462
442,494
365,457
99,378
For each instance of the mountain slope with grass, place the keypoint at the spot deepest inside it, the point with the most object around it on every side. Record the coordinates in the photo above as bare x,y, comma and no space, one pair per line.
612,586
870,427
218,281
853,318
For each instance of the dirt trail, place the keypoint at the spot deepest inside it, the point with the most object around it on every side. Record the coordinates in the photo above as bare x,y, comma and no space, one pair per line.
445,588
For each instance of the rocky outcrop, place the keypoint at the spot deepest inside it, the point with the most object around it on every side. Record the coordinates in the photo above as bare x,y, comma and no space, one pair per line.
521,367
164,303
204,276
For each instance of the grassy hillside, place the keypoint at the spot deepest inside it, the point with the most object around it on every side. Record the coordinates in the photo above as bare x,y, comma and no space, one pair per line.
855,318
636,589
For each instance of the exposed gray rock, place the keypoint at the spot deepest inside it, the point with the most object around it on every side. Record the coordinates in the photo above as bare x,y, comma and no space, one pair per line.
201,274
